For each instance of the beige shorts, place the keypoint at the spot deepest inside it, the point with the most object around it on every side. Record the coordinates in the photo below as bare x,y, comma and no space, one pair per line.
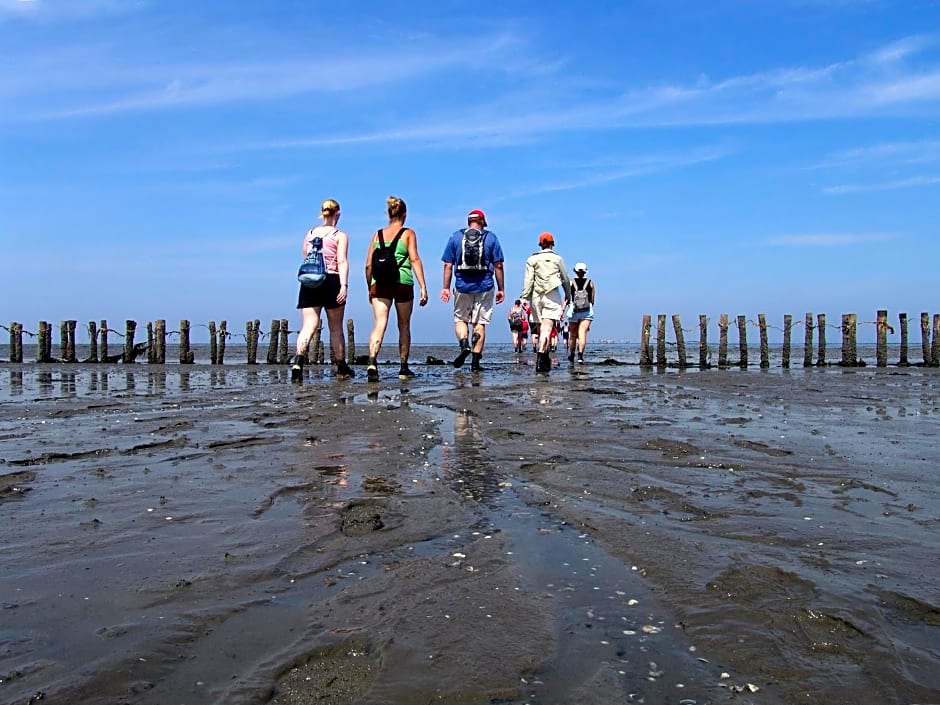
549,306
474,309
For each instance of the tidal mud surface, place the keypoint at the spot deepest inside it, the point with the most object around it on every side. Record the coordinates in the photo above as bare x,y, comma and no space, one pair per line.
604,535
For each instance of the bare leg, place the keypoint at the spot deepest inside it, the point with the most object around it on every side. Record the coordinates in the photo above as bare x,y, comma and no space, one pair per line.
334,317
310,318
461,330
572,338
583,329
545,334
404,309
479,330
380,309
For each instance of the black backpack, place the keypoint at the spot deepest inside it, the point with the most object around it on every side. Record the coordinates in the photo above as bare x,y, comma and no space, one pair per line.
471,251
384,262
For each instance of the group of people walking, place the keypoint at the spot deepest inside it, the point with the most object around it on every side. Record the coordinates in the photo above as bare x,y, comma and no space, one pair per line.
473,278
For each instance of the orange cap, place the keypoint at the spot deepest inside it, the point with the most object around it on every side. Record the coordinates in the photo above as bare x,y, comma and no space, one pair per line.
546,239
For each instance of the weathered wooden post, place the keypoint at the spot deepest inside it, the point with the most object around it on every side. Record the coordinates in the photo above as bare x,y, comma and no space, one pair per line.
187,356
282,355
130,329
223,334
63,341
764,347
160,341
925,337
92,342
314,351
881,348
680,339
787,333
849,340
935,347
742,340
821,335
213,345
16,342
70,341
252,333
808,341
272,341
703,341
41,335
350,342
723,340
103,332
661,340
902,355
646,352
151,344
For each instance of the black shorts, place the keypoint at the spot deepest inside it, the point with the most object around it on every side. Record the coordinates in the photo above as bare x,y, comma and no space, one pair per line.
399,293
323,295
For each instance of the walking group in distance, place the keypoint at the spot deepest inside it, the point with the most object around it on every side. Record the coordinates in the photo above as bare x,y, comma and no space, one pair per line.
473,280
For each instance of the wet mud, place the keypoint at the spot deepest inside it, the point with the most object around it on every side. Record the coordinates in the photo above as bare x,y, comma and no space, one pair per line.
602,536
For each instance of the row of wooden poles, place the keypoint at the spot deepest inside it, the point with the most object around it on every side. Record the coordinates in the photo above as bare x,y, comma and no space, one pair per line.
278,351
849,328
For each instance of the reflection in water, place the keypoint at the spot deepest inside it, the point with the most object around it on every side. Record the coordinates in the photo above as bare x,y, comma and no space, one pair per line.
45,381
67,384
217,378
470,471
156,381
98,382
184,380
130,381
16,382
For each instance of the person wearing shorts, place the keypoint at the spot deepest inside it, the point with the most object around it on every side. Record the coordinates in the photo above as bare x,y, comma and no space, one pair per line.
580,313
401,293
547,288
474,285
330,295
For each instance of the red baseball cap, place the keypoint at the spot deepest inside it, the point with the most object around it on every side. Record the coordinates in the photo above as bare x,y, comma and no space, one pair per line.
546,239
476,214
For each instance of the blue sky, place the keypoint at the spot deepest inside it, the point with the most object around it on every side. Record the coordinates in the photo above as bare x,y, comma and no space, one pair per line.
164,159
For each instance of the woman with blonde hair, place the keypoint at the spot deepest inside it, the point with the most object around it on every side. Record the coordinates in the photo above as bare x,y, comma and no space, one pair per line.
394,282
331,294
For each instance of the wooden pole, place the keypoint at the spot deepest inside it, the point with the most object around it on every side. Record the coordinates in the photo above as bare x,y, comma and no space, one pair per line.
350,341
103,332
925,336
764,347
252,333
703,341
282,355
92,342
41,335
821,335
902,355
151,344
63,341
808,341
881,349
213,345
16,342
849,340
70,355
723,340
661,340
160,333
272,342
130,329
787,333
742,340
223,334
935,347
187,357
646,354
680,339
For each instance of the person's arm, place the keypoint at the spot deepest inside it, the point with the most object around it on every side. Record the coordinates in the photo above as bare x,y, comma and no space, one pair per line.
342,265
369,262
448,275
528,281
303,245
498,275
591,292
565,280
411,240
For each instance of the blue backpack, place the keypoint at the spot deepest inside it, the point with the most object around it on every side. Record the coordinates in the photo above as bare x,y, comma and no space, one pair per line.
312,272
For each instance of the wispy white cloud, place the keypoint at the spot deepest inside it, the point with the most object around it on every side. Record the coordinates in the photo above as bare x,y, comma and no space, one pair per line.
57,10
828,239
885,154
911,182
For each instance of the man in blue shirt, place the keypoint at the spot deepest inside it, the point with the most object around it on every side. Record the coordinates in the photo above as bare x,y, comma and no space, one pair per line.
474,259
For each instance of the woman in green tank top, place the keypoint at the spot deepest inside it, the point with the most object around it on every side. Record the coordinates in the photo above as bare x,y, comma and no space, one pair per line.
383,294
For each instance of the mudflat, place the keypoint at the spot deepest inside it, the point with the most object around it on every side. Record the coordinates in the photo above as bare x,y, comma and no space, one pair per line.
600,535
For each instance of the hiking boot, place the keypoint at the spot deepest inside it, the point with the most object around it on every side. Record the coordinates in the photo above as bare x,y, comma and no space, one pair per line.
543,362
580,358
344,371
463,354
296,368
372,372
571,358
405,373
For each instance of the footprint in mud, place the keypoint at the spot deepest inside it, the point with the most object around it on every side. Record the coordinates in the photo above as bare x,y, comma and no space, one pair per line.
360,519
